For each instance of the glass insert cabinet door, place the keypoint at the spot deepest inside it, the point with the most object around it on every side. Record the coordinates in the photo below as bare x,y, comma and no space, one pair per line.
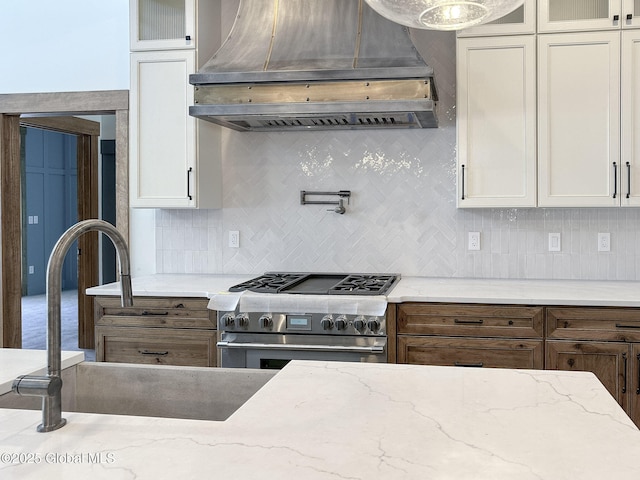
162,24
521,20
578,15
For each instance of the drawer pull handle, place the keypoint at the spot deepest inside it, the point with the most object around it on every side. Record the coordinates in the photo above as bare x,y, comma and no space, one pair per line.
620,325
638,388
148,352
474,365
624,379
468,322
146,312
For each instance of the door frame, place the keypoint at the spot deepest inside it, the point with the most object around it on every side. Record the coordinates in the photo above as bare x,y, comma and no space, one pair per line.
12,106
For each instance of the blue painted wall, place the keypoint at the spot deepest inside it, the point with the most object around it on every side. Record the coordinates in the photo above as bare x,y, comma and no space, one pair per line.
51,204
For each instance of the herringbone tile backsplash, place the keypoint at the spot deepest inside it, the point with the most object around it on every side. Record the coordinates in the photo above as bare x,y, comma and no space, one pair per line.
401,217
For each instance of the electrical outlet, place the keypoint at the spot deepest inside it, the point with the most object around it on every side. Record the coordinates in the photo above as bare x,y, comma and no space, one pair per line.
474,241
604,242
234,239
554,242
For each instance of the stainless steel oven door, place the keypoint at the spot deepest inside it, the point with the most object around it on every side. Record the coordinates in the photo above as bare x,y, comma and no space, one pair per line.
269,351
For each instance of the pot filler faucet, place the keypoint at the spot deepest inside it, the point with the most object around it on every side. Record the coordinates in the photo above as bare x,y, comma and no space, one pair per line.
49,387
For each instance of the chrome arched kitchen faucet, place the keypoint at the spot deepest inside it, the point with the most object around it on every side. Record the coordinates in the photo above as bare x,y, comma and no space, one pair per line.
49,387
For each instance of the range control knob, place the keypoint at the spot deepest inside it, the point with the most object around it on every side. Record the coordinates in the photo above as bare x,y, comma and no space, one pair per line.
266,321
341,322
242,320
358,323
227,320
327,322
373,324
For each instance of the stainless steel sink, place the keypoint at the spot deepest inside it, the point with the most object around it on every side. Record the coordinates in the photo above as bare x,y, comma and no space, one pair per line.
153,391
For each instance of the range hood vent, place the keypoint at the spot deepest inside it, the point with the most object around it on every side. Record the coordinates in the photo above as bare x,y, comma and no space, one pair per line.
314,64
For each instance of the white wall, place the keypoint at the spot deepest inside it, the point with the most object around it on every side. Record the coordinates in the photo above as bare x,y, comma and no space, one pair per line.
61,46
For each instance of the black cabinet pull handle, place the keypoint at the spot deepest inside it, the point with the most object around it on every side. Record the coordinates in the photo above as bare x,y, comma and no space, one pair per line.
638,389
616,18
187,38
615,179
468,322
622,325
629,16
189,196
463,182
189,183
624,380
148,352
628,179
473,365
146,312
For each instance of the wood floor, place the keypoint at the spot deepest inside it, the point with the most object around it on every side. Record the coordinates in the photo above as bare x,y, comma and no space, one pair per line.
34,323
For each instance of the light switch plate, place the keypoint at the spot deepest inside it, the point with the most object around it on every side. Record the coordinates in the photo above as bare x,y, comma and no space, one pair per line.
554,242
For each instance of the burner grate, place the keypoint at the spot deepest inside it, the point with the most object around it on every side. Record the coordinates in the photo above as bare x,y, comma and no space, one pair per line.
268,283
364,285
319,283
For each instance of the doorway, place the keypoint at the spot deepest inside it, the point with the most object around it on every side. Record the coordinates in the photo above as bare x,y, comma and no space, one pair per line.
14,108
49,204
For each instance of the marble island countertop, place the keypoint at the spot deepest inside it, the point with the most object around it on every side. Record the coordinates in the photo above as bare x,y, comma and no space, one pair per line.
418,289
324,420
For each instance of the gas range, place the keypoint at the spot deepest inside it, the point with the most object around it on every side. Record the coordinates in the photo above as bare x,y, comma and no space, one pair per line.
329,316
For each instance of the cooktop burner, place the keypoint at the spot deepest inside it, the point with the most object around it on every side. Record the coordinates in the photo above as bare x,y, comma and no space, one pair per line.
320,283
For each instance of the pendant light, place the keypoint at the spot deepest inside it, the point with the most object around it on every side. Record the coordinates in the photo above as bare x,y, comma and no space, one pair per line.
443,14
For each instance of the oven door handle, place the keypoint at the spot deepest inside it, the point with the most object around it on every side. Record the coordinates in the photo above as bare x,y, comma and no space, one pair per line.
314,348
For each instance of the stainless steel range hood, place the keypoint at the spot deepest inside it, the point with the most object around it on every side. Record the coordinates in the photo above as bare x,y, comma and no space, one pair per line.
314,64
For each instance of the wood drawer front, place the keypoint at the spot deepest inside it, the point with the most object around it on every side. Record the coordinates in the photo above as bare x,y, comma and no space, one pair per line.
156,346
470,320
155,312
594,323
471,352
607,360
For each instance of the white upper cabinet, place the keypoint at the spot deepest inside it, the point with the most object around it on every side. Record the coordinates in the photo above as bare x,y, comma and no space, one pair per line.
521,20
630,162
496,119
162,24
579,15
579,119
175,159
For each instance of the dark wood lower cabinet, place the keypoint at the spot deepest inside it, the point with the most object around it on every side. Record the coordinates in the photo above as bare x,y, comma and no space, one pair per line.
471,352
158,331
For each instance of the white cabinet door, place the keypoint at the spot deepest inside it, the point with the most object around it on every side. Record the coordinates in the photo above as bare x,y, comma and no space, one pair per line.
579,119
162,24
163,135
521,20
496,121
631,118
578,15
630,15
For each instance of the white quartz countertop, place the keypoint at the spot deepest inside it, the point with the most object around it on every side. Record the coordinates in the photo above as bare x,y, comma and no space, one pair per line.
15,362
329,420
417,289
174,285
532,292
